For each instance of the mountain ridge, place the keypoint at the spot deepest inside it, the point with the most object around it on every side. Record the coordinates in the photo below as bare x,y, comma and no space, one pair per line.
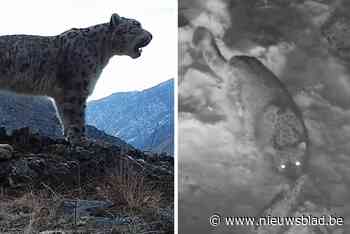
144,119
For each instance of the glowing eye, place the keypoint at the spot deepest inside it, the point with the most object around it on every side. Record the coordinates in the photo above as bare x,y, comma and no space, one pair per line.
297,163
302,146
283,166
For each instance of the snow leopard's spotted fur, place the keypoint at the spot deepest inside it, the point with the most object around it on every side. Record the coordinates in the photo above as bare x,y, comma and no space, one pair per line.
270,116
67,66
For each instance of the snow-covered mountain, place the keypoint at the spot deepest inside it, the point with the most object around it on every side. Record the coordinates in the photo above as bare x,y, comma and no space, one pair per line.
144,119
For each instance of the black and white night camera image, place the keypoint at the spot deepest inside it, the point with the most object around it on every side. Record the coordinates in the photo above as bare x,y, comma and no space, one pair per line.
264,116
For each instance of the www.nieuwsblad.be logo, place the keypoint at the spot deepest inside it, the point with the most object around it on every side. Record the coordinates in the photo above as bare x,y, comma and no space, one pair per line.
303,220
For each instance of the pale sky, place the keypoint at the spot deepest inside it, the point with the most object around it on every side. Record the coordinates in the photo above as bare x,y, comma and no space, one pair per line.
158,61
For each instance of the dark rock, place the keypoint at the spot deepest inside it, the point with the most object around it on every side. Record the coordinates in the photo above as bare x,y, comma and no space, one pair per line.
6,151
84,207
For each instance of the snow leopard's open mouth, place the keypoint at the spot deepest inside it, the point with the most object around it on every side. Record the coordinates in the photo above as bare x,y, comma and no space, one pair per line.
144,41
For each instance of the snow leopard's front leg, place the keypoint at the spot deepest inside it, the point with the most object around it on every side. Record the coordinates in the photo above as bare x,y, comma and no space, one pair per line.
71,109
71,105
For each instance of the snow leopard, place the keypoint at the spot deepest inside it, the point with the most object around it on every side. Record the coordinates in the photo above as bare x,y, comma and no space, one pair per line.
270,117
66,67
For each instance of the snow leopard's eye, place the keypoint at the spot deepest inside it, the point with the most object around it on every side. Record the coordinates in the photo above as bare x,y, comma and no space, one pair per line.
283,166
136,23
297,163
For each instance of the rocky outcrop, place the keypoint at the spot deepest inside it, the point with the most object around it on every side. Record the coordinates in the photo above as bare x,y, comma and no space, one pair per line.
38,160
50,186
99,135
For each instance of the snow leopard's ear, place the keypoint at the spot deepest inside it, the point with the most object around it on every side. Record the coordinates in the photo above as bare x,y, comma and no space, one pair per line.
115,18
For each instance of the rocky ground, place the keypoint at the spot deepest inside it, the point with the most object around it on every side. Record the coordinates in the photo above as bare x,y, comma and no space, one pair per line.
48,185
